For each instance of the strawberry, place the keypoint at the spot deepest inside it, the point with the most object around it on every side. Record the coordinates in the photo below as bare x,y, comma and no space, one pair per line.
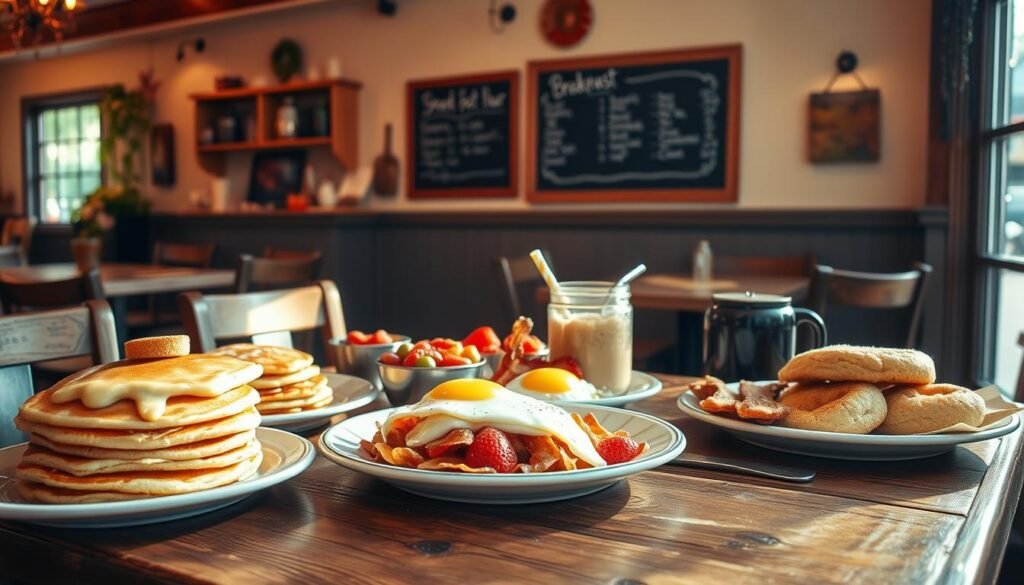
618,449
491,448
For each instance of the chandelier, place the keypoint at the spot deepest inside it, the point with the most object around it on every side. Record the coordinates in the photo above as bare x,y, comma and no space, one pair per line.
31,22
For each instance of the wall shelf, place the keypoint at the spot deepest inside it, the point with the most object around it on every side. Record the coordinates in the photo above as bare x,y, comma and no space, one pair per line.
253,112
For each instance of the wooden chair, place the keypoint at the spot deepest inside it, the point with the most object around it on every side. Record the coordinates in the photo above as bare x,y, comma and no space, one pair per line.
801,265
275,273
29,338
11,256
290,254
169,254
18,296
269,317
18,231
871,290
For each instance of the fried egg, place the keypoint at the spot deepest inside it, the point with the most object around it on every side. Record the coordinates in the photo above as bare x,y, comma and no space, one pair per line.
474,404
552,384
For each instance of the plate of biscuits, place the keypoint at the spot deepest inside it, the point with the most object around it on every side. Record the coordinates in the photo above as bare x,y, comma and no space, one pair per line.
850,402
295,395
161,435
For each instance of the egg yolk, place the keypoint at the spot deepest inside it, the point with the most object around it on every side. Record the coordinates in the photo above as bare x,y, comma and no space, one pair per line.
552,380
467,390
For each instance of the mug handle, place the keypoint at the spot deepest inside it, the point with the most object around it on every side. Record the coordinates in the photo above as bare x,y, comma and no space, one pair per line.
809,317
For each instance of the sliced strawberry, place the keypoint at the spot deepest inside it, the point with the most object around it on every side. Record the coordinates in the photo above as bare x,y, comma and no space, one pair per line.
618,449
492,448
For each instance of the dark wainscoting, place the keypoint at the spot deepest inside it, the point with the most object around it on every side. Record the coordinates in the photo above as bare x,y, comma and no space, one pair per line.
430,274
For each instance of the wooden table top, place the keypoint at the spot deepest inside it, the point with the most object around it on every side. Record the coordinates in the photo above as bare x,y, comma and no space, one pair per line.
676,292
943,519
122,279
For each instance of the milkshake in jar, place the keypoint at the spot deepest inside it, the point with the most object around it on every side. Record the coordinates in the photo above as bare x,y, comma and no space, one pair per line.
592,322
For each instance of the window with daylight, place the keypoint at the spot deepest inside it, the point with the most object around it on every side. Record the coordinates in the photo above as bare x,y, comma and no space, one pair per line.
1001,242
62,155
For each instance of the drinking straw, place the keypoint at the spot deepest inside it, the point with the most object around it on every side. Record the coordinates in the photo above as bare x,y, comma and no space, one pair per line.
545,271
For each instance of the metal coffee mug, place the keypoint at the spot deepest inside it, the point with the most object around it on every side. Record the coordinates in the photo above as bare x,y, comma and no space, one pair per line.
750,336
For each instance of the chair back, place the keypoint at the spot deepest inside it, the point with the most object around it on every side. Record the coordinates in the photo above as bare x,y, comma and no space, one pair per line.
264,317
801,265
512,273
275,273
12,255
18,231
17,295
872,290
191,255
289,254
28,338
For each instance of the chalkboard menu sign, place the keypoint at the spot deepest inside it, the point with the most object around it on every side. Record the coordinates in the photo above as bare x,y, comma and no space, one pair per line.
462,136
639,127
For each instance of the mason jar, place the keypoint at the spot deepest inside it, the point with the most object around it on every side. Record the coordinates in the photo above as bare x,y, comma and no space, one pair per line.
592,321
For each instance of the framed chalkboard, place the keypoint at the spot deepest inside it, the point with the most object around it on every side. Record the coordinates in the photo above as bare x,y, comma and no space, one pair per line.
660,126
462,136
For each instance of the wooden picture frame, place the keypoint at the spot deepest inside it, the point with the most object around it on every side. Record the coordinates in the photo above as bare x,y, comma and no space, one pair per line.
275,174
161,154
511,189
726,193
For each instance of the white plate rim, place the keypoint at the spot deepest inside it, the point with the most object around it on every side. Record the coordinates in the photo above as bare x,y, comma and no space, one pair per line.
675,446
325,413
650,386
98,511
688,403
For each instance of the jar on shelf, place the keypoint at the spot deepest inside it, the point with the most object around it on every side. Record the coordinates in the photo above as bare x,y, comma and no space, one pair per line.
592,321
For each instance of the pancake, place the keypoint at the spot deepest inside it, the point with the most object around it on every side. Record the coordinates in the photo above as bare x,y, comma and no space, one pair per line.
306,389
149,383
83,466
37,492
303,409
275,360
246,420
181,410
274,382
145,483
323,396
195,450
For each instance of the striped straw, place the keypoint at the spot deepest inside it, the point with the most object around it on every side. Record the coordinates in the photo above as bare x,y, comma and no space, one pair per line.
544,269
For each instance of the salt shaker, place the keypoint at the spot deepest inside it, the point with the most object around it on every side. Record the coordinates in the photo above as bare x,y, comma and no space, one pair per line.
702,260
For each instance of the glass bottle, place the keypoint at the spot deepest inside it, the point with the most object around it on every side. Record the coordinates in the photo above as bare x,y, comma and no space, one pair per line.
287,118
702,262
592,322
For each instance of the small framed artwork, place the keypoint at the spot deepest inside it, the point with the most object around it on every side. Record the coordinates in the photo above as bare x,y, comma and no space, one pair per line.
275,174
844,127
161,152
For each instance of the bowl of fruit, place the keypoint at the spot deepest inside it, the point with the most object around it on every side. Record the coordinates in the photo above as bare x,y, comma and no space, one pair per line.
493,348
357,353
413,369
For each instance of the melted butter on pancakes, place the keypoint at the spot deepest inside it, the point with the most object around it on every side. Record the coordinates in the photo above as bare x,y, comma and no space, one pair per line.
150,383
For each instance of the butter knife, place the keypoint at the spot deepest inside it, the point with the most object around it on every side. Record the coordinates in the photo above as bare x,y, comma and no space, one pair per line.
780,472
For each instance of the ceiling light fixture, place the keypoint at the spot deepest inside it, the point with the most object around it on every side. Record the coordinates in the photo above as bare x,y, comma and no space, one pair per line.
32,22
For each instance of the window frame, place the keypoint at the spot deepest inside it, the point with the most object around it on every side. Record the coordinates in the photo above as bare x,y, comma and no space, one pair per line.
31,108
993,108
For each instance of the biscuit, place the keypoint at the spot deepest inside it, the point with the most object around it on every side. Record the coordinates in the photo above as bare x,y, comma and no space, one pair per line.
166,346
847,363
923,409
844,407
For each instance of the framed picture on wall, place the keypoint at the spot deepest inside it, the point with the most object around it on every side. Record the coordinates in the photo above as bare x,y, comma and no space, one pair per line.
275,174
161,152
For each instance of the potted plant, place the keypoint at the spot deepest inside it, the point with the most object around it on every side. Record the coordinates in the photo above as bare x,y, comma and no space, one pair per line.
127,116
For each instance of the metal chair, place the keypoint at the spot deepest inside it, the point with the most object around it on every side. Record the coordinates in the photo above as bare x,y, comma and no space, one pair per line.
30,338
872,290
269,317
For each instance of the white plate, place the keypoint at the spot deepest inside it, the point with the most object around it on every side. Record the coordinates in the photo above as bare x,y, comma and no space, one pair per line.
340,444
641,386
350,393
284,456
842,445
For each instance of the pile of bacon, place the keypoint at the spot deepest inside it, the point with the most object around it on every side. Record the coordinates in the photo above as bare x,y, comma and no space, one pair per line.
756,402
514,363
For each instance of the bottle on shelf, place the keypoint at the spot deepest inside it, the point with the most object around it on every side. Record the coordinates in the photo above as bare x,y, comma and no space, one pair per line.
702,262
287,118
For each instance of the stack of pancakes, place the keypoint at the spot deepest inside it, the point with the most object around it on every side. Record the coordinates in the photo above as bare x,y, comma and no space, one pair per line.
290,382
140,428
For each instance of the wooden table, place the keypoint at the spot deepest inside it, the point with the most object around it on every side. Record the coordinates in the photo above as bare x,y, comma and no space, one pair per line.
943,519
690,298
125,280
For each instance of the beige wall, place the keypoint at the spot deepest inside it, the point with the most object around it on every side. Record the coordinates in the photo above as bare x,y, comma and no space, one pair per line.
789,47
